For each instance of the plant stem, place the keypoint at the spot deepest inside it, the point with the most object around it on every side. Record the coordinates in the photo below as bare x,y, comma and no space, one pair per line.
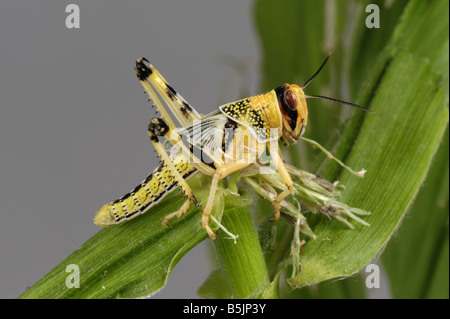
243,263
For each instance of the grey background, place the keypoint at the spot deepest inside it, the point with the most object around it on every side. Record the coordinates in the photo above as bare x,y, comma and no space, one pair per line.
73,117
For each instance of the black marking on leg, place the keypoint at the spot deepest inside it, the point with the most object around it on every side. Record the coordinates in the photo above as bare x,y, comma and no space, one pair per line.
186,109
185,112
187,106
152,135
157,127
142,70
171,92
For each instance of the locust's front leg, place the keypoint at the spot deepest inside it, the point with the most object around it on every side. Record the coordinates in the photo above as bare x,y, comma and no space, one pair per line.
328,153
277,158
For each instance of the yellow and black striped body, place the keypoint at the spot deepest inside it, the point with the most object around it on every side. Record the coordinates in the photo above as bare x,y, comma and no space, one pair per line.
154,188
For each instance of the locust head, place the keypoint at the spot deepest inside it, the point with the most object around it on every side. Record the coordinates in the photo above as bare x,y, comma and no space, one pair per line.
294,111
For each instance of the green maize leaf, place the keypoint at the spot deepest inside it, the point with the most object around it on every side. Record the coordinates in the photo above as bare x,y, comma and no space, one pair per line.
396,156
416,260
134,259
128,260
370,60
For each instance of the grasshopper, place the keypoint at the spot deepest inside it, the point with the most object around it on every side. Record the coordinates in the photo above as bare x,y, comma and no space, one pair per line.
217,144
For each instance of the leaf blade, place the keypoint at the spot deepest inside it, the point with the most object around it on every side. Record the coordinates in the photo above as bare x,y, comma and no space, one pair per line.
395,160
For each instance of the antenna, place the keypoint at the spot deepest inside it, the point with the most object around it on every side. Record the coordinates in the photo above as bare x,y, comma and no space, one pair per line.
330,98
317,72
340,101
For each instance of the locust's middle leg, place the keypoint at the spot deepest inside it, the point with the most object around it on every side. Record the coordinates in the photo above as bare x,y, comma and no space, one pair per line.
220,173
158,128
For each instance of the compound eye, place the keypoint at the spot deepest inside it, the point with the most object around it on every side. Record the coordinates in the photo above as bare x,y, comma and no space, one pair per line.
291,100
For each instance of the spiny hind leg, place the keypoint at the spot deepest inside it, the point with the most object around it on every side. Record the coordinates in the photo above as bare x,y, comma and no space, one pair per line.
150,78
158,128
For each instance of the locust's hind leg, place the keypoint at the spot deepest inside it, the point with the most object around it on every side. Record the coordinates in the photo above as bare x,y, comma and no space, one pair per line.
148,76
158,128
